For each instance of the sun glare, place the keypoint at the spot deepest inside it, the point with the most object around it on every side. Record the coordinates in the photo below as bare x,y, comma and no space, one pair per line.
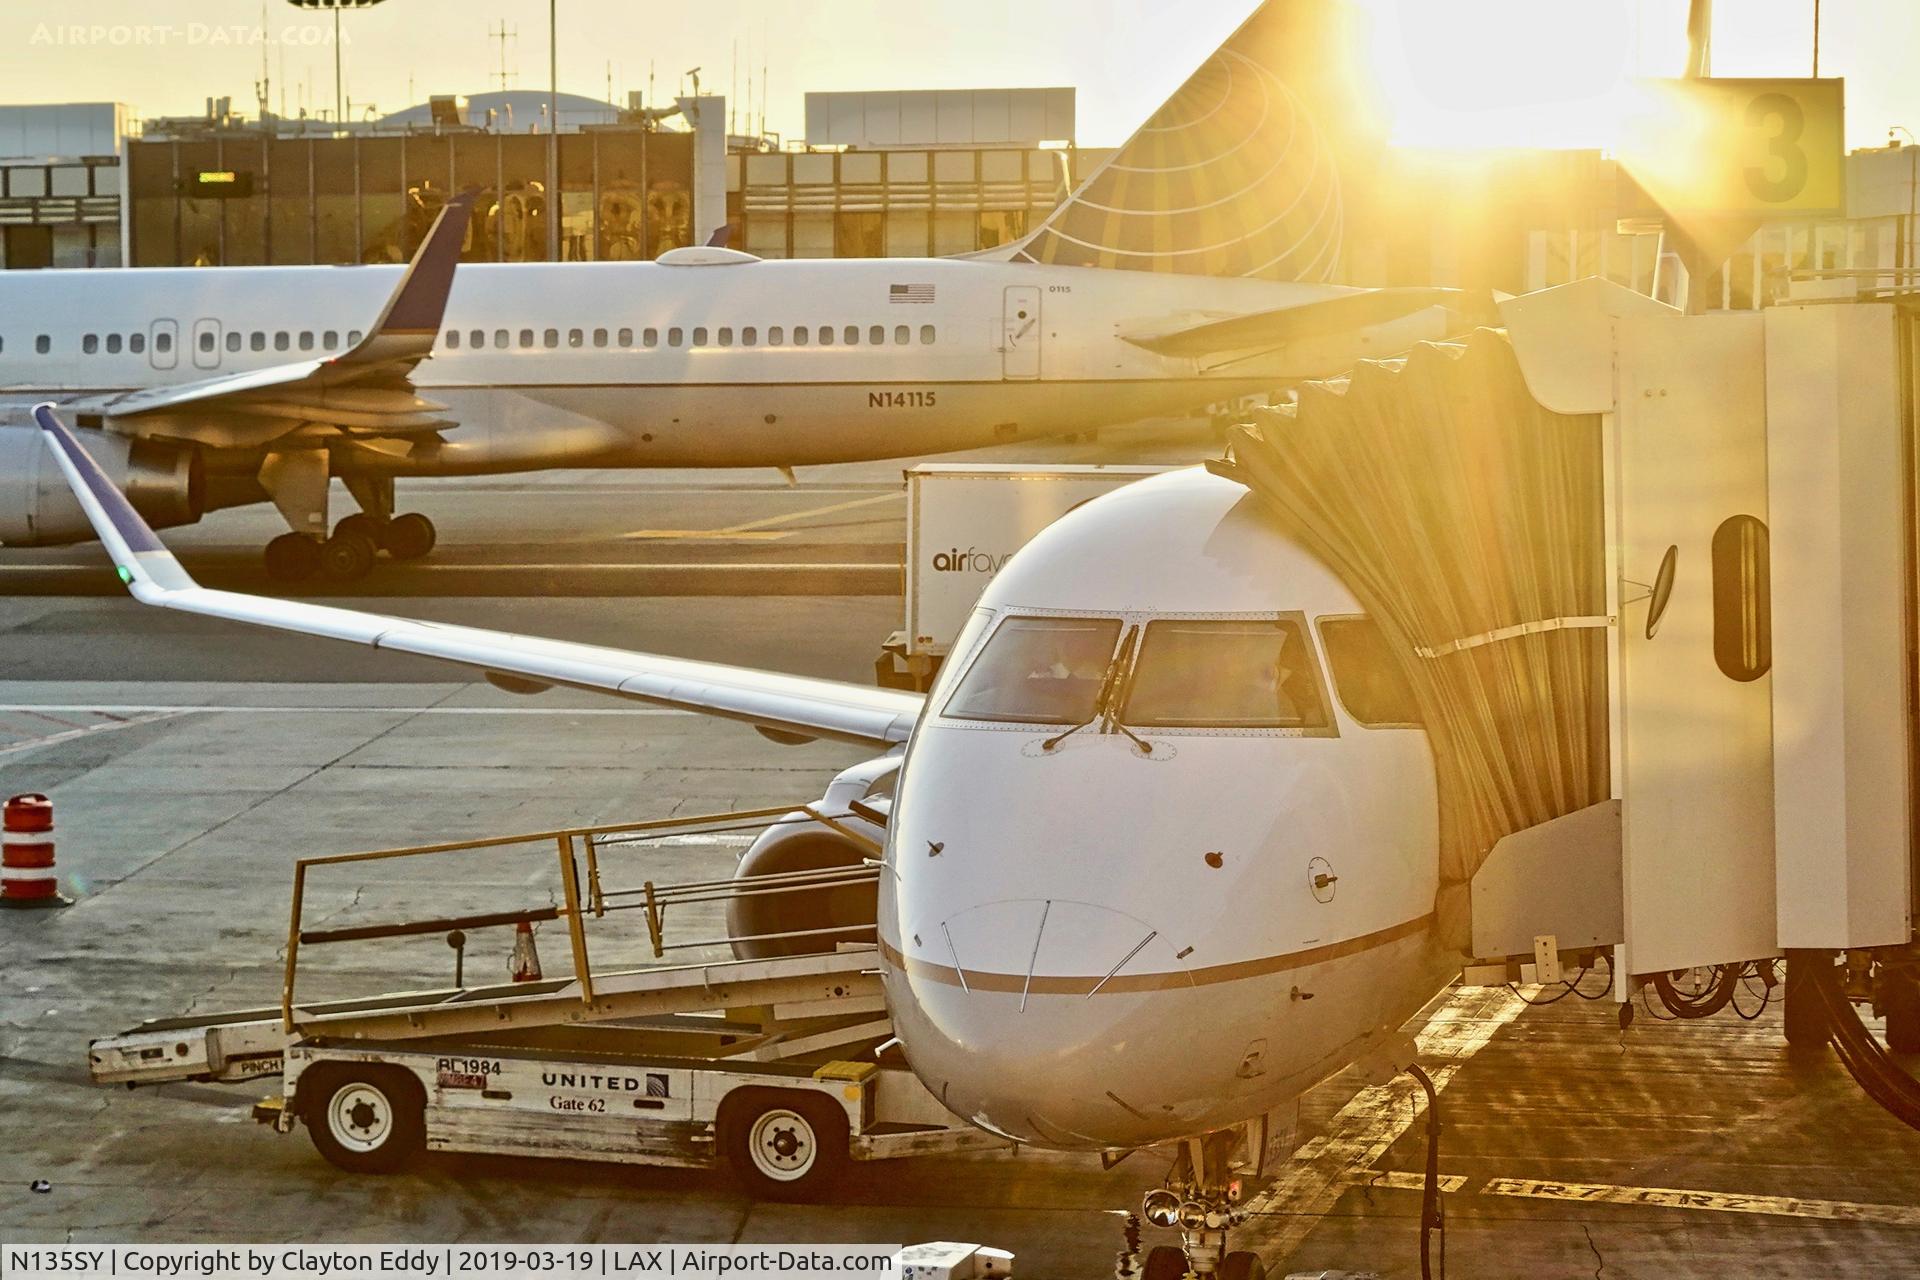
1462,75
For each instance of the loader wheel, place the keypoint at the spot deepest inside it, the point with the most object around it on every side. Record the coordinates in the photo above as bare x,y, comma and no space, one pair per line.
1902,1008
783,1145
364,1119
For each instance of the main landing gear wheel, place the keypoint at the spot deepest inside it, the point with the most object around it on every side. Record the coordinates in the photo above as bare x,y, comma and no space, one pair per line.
346,557
409,536
783,1145
292,557
364,1119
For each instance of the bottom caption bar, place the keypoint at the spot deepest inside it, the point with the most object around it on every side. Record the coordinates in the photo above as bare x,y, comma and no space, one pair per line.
940,1261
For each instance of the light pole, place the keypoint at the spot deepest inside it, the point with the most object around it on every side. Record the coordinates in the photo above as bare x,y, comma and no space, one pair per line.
553,131
339,80
1913,190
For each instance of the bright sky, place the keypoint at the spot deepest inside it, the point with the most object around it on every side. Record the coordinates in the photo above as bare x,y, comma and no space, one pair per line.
1451,60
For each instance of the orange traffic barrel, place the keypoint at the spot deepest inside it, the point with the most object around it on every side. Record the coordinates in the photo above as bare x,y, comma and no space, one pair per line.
27,877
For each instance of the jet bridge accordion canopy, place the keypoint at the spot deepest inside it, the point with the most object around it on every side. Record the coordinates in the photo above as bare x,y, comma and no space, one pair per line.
1468,520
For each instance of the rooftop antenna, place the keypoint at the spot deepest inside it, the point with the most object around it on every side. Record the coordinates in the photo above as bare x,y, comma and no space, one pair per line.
763,79
503,34
263,88
733,84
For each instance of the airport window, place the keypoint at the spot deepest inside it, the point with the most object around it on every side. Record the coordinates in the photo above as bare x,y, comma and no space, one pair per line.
331,339
500,338
776,336
624,337
526,337
1038,671
651,338
234,339
476,338
901,335
749,336
851,335
90,344
926,335
113,344
675,337
826,335
799,335
700,337
551,337
599,337
1256,673
877,336
1742,599
281,340
306,339
206,342
137,343
576,338
726,337
453,339
257,340
43,344
162,342
1370,683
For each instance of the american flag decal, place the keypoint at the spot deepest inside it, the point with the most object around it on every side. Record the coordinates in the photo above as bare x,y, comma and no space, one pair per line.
909,293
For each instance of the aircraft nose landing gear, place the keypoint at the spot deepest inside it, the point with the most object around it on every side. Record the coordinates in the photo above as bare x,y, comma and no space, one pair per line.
1201,1200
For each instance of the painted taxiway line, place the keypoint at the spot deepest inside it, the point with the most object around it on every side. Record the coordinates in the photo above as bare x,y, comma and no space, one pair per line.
1311,1182
763,528
151,715
202,708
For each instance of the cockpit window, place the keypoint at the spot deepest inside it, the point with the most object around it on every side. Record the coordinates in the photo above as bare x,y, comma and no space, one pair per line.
1371,684
1255,673
1037,671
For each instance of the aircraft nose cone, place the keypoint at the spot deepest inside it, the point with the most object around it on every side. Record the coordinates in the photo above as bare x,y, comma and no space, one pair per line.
1051,1021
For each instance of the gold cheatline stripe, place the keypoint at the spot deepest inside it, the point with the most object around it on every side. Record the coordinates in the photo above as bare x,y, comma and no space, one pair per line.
1014,983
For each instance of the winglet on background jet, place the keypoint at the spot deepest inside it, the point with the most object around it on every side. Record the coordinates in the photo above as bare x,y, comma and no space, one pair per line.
416,308
144,562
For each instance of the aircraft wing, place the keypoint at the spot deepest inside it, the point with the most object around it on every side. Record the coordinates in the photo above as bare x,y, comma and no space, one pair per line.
1361,309
785,707
377,368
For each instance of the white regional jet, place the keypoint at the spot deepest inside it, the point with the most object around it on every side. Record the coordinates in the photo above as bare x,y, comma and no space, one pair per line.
1189,269
1147,874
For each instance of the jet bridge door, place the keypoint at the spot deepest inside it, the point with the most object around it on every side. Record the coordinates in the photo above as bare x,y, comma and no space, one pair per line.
1020,333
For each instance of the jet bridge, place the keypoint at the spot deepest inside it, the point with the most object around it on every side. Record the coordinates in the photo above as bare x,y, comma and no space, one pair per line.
1654,577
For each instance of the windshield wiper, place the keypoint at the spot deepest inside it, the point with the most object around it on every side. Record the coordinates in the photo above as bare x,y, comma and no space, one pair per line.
1108,680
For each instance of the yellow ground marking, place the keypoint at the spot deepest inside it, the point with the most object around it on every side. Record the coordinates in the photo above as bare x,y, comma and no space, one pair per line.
1373,1180
1899,1215
762,530
1312,1181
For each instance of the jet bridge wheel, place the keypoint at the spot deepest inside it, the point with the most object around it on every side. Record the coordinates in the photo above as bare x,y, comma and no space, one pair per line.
364,1119
783,1144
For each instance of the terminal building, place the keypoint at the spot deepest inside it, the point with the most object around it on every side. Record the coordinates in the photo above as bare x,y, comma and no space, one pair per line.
889,174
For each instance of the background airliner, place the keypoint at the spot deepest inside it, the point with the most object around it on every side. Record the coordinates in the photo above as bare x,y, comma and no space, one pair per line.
1188,269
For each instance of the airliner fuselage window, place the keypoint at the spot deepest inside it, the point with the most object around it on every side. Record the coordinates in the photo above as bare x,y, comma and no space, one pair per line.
1038,671
1255,673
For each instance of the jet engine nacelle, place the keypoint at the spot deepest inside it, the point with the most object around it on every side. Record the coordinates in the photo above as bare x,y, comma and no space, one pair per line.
823,914
165,483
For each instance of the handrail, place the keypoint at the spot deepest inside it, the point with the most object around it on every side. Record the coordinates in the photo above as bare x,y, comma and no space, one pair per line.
586,895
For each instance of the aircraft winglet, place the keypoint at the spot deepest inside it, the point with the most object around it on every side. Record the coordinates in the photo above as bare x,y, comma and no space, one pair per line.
144,562
414,312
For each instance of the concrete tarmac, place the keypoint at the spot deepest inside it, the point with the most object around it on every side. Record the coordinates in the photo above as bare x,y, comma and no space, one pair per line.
191,763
